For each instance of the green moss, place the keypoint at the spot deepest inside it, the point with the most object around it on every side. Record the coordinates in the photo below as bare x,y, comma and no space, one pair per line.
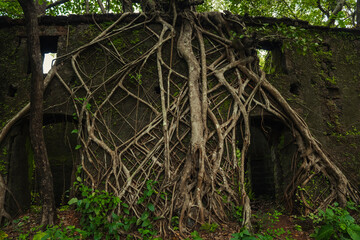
119,43
224,108
135,37
3,161
105,25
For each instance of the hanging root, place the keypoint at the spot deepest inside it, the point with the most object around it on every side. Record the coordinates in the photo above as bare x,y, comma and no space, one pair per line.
178,150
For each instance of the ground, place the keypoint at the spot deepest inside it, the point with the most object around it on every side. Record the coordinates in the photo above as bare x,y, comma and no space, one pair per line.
265,218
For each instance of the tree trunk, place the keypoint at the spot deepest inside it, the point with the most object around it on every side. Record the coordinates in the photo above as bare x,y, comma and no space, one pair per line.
357,14
36,113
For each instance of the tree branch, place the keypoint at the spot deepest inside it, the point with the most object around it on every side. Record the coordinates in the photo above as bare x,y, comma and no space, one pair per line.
337,9
357,14
101,6
87,6
56,3
322,9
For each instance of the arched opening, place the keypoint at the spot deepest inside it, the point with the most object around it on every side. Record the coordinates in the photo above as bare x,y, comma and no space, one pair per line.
21,176
269,158
60,145
260,162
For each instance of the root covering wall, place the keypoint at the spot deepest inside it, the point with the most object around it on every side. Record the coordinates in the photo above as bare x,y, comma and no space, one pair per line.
314,68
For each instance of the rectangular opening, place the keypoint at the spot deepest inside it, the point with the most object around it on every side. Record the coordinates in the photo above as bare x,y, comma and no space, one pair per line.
49,60
48,46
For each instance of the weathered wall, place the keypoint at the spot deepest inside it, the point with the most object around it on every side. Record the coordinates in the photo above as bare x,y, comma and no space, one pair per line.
321,81
323,85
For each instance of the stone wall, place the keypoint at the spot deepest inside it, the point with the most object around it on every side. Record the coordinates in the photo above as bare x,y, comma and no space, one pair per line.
321,81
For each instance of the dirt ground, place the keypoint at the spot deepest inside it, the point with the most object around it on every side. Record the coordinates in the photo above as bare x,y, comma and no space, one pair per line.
264,220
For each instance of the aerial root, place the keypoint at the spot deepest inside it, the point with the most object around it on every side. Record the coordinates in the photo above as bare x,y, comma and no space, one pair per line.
180,150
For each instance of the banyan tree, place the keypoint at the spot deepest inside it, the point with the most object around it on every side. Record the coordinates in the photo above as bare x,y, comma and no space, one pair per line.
166,99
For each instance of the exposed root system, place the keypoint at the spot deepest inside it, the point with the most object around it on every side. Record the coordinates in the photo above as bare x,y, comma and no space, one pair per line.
177,148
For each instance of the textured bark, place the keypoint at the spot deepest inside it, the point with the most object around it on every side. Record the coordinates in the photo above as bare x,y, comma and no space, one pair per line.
127,6
357,14
196,153
337,9
36,113
188,151
3,189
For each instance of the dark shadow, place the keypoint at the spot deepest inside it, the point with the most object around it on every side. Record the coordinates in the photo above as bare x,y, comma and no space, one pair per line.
22,179
269,157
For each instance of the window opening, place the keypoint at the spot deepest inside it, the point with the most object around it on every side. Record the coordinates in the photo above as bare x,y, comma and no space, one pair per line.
49,61
262,55
271,57
48,45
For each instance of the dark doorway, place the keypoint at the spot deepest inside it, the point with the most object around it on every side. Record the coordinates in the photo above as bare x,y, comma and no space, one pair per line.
260,164
269,157
21,177
60,145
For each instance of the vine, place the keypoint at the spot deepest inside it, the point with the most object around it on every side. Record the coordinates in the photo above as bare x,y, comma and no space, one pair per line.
178,146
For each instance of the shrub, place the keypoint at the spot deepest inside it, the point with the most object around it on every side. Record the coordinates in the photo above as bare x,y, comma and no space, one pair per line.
336,223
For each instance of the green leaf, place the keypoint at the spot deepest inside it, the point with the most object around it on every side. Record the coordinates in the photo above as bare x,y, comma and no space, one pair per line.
144,216
354,231
325,232
97,211
77,147
39,235
151,207
75,131
72,201
195,235
145,223
138,222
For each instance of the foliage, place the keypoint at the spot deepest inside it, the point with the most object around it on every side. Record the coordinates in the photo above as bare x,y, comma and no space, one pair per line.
3,235
266,230
336,223
244,234
268,234
209,227
313,11
12,8
95,207
57,232
195,236
238,213
268,219
98,218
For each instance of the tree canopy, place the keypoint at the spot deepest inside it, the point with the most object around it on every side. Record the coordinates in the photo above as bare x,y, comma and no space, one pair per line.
188,144
335,13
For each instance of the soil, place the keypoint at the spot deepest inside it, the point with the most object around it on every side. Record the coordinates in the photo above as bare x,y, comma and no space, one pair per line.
296,228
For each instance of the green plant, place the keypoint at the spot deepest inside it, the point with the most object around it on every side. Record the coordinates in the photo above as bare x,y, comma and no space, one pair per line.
269,234
195,235
209,227
175,222
146,229
3,235
244,234
95,207
336,223
238,213
57,232
274,217
268,219
136,77
298,227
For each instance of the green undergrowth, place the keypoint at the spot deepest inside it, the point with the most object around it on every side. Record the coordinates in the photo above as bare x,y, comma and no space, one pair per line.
99,220
332,223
